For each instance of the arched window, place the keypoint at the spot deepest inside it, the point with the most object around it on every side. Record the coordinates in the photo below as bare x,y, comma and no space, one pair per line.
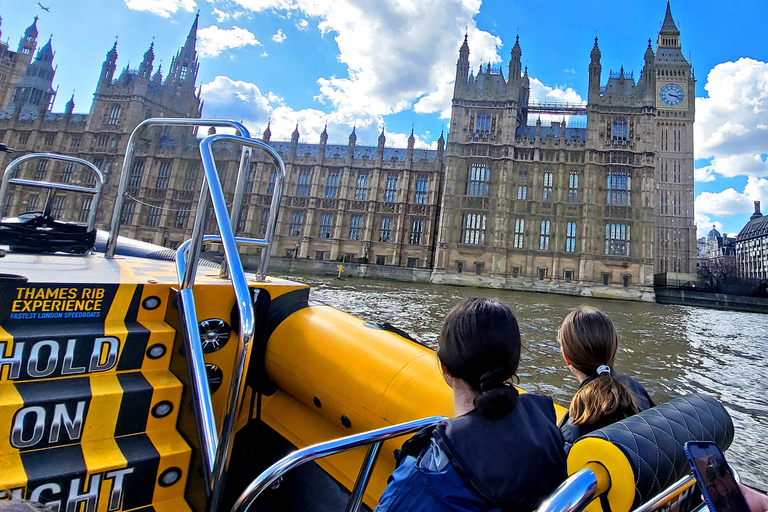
619,131
114,114
617,239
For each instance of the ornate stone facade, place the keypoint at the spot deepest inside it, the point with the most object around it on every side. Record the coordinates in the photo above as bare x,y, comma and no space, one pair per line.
595,209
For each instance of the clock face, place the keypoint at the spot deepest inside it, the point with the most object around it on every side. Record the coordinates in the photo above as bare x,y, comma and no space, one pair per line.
671,95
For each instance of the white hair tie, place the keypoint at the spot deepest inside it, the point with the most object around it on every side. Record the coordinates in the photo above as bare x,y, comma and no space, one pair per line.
603,369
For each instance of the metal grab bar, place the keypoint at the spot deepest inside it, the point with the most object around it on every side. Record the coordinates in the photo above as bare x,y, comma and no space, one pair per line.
130,153
96,190
277,194
216,450
374,438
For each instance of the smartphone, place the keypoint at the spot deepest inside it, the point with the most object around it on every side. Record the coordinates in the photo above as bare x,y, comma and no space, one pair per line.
716,482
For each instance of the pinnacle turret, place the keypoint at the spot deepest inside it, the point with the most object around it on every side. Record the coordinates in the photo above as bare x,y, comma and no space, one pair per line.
352,137
145,69
267,133
324,135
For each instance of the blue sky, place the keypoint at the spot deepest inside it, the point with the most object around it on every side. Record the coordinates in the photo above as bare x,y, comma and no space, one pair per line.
390,63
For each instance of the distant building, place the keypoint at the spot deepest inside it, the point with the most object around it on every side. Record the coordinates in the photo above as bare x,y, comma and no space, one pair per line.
752,246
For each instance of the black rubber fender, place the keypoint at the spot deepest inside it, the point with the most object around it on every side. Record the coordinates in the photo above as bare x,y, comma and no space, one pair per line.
644,453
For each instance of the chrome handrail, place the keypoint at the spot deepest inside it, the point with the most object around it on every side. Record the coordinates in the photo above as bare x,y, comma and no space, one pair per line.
51,185
216,449
373,438
130,152
573,495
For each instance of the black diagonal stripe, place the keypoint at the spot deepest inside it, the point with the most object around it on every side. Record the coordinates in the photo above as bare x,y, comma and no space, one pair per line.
54,467
61,400
138,336
134,407
141,455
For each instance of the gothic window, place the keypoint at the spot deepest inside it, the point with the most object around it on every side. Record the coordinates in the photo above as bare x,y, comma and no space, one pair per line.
23,139
332,185
522,185
75,141
36,96
326,223
302,189
163,174
183,72
619,131
355,225
544,236
421,190
250,179
483,125
32,203
417,228
619,185
390,194
573,187
570,237
385,232
361,186
153,218
242,218
103,140
41,171
297,219
49,139
134,179
617,239
57,207
272,180
479,180
181,217
114,114
519,234
190,177
473,229
547,190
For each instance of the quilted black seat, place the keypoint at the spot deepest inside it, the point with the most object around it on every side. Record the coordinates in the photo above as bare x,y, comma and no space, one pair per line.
651,445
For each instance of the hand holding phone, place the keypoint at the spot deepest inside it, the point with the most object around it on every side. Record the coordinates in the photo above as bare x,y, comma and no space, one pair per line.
718,486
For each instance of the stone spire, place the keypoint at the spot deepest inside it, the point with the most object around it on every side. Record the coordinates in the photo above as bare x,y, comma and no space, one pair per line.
70,106
109,66
669,35
28,42
267,133
157,78
440,145
324,136
595,69
462,66
352,138
382,139
184,65
145,69
515,60
295,135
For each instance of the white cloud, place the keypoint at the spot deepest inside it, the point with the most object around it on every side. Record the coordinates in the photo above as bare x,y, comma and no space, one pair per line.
279,37
214,40
732,202
704,224
395,52
162,8
222,16
302,24
264,54
731,123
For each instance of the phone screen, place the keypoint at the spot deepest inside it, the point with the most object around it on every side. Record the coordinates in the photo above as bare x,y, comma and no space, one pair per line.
717,484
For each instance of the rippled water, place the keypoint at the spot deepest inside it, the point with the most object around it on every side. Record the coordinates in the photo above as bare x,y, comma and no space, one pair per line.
671,350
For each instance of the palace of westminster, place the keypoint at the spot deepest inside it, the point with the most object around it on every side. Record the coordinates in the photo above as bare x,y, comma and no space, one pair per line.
506,201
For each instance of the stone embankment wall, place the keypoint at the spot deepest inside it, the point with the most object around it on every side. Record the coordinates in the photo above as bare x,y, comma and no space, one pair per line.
711,300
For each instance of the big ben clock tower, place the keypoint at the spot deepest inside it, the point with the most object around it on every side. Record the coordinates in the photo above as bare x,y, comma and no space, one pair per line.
675,244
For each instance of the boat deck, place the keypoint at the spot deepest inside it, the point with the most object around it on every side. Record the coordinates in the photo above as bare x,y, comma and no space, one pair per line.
95,268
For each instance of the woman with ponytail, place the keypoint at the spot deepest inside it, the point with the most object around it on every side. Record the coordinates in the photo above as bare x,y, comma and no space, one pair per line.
503,450
589,342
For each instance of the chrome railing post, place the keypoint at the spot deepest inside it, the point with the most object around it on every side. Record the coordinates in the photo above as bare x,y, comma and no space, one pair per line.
237,200
572,495
95,190
130,153
366,470
318,451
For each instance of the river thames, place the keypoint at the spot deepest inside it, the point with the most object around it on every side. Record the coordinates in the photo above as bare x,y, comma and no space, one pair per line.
671,350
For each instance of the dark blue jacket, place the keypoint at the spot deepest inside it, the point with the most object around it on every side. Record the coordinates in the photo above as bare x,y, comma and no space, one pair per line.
472,463
573,432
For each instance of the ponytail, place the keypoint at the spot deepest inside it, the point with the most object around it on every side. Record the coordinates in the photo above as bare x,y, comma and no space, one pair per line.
604,399
497,397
